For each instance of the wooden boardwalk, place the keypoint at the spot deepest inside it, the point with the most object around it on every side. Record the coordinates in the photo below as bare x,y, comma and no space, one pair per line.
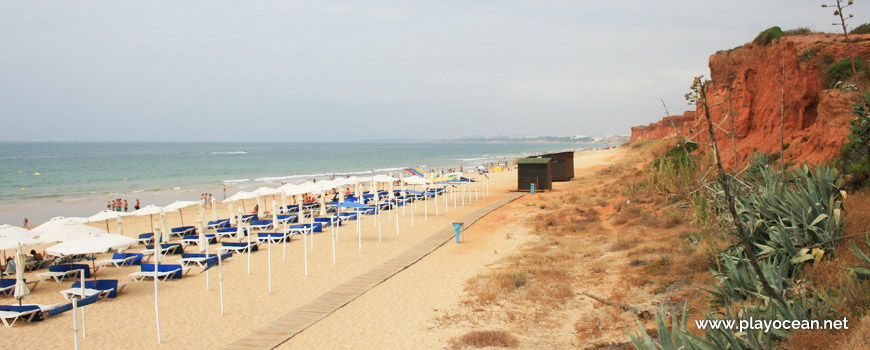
278,331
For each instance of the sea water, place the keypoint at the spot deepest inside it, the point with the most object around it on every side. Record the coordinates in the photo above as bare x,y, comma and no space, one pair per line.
77,178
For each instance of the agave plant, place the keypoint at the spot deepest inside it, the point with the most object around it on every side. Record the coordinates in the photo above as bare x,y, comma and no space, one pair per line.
862,273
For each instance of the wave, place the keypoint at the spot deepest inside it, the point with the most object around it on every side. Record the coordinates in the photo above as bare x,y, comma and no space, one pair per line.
387,169
233,152
236,181
472,159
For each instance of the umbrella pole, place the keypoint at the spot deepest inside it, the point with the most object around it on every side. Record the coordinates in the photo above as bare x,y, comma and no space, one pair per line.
75,325
378,214
221,279
284,244
305,247
156,297
151,223
397,223
270,264
180,215
333,239
425,206
359,229
84,325
248,234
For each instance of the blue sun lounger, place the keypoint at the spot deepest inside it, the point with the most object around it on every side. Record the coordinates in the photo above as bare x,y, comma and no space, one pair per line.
164,272
146,238
9,314
240,247
329,220
260,224
216,224
182,231
194,239
275,237
7,285
59,272
106,288
202,260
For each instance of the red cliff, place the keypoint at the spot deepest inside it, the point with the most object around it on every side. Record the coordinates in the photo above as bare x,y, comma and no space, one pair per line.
816,120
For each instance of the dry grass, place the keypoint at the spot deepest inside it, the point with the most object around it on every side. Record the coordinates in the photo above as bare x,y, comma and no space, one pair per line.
480,339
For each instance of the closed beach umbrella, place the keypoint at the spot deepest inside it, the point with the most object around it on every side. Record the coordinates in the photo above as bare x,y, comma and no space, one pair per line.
214,213
275,214
120,225
301,213
164,230
20,287
322,204
232,214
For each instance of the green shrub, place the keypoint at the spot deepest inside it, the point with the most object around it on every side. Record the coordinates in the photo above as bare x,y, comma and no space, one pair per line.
855,155
808,54
862,29
768,35
842,71
798,31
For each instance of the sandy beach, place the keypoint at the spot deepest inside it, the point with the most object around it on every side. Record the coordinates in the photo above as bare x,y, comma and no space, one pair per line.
190,314
402,307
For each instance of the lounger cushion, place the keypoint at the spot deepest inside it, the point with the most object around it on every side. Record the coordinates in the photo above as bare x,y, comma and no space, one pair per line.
100,285
68,267
163,268
254,247
176,248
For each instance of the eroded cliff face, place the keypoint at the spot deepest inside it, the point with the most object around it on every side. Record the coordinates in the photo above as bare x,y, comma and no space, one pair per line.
816,120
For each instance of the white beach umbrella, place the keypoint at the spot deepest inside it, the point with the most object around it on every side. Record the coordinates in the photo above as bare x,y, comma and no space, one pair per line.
149,210
214,213
58,220
12,243
9,231
232,214
20,286
275,214
415,180
164,230
322,204
178,205
105,215
70,231
91,245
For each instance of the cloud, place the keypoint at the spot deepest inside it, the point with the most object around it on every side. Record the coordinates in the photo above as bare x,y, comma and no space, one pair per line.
167,70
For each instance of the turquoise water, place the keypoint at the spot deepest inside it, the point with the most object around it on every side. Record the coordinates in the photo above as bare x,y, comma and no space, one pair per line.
81,170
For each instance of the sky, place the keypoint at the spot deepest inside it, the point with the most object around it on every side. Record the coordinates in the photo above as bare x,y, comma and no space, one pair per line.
308,71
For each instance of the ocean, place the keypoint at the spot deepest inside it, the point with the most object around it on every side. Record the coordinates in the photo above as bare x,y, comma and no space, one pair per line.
76,179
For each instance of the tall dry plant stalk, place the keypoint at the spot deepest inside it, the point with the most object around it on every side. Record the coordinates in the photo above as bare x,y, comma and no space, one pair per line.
838,4
782,121
698,96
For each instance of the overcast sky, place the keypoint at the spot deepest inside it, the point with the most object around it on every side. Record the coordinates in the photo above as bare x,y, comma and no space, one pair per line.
354,70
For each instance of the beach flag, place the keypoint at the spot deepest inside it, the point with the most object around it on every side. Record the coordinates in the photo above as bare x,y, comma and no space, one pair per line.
416,171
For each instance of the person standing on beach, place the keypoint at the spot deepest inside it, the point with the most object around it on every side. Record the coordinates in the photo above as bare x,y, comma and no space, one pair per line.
125,205
25,223
136,206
